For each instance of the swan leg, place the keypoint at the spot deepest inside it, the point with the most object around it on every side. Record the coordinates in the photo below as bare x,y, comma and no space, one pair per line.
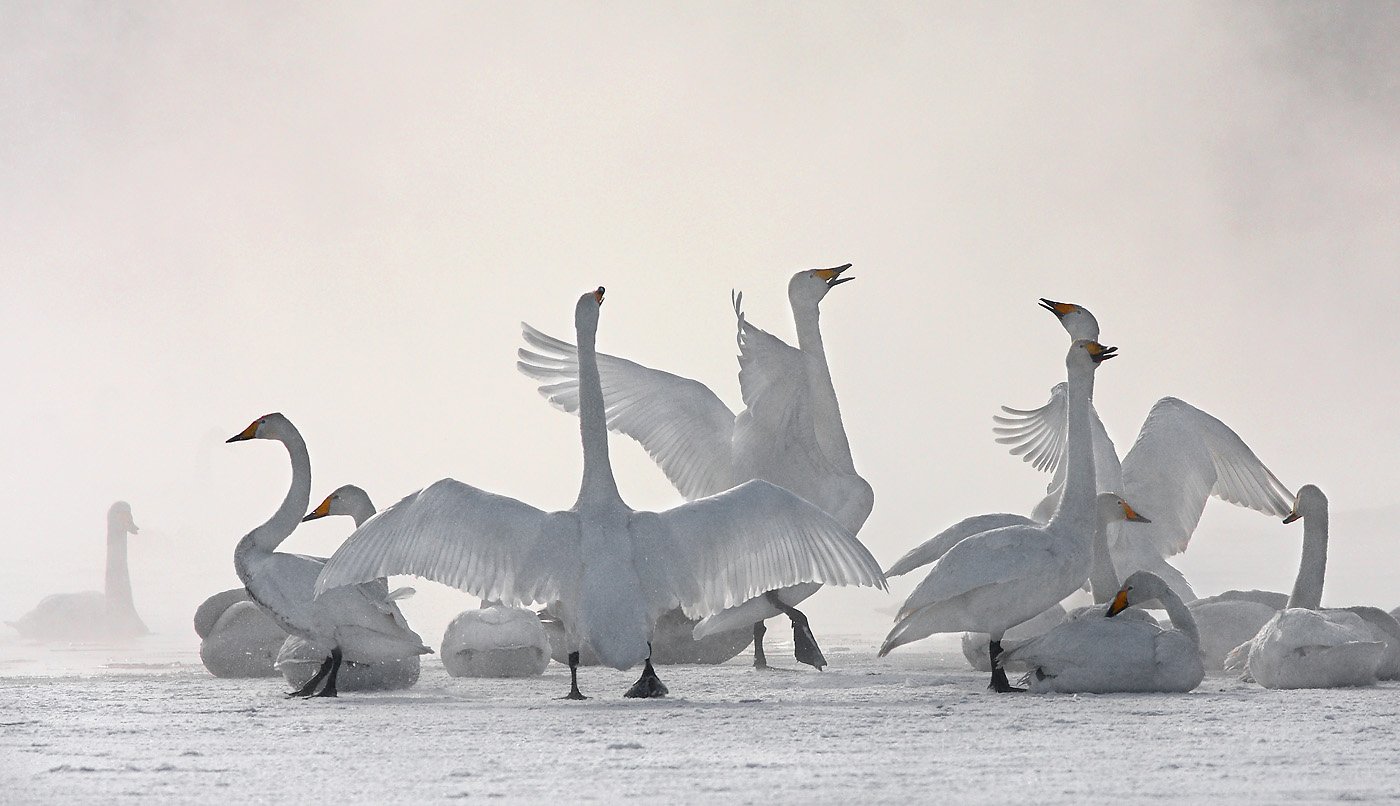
999,682
574,693
329,689
310,686
760,660
804,644
648,685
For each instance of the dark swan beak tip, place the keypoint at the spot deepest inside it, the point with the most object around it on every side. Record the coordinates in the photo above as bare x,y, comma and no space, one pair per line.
313,516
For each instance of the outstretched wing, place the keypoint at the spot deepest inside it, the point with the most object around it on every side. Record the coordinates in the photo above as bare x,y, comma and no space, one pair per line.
1040,438
488,545
1181,457
1001,556
773,382
938,545
719,551
683,425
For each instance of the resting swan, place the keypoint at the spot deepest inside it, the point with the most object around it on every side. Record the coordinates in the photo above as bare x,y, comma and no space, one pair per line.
495,641
1182,456
237,638
790,434
92,616
299,660
1307,646
609,570
355,623
1102,655
992,581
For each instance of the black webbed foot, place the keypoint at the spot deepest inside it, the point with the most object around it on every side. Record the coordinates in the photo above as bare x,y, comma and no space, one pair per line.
648,685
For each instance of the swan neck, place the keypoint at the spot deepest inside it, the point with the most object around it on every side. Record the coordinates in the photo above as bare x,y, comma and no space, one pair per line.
281,525
1103,579
118,579
826,410
593,426
1312,567
1180,614
1076,509
364,510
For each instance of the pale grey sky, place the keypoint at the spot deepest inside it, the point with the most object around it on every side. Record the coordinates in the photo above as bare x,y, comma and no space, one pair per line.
342,212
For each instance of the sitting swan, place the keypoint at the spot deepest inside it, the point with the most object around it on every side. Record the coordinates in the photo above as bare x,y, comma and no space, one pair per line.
1307,646
299,660
237,639
92,616
611,570
1229,619
1103,655
495,641
356,623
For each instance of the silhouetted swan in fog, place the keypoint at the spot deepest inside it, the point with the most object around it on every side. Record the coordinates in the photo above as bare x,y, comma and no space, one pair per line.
1102,655
790,434
1308,646
355,623
1182,456
610,570
92,616
992,581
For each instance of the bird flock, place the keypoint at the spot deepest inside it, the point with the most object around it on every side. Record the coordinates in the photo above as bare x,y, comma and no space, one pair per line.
773,506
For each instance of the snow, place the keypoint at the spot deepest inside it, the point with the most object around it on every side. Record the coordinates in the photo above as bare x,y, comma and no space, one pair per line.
148,724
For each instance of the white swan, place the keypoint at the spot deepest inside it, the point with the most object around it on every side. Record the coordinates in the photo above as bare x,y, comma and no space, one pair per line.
495,641
299,660
790,434
673,641
356,623
1103,584
1182,456
1102,655
1229,619
1307,646
609,570
90,615
992,581
237,638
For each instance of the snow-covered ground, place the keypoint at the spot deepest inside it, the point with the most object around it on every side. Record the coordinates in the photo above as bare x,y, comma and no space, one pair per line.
147,724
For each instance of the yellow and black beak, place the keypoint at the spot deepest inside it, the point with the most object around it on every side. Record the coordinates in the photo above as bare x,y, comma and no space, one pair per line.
319,512
1293,516
1132,514
1060,309
247,433
1119,603
598,295
1100,353
833,277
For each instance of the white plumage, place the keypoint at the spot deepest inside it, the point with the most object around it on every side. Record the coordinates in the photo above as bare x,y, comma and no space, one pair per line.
495,641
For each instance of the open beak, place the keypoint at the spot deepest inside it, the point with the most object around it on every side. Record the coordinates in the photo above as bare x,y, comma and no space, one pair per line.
833,277
1119,603
1060,309
319,512
1101,353
247,433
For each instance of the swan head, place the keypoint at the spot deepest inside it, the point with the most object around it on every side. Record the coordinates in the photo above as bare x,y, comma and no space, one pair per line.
810,286
268,426
586,311
1076,319
119,516
345,500
1139,587
1310,501
1112,508
1087,352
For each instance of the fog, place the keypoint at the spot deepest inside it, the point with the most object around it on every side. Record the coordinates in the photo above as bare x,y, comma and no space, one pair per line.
210,212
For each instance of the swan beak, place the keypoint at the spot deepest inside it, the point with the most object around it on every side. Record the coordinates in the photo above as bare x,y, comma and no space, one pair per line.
319,512
133,528
1120,602
247,433
1060,309
1132,514
1100,353
598,295
833,277
1292,516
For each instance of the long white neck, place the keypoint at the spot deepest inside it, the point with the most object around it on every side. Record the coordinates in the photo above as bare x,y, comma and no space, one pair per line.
1076,510
1179,613
1307,588
598,482
118,583
363,511
1103,579
826,411
269,536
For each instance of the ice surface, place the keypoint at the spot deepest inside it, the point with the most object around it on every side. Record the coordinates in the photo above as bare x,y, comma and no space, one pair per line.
147,724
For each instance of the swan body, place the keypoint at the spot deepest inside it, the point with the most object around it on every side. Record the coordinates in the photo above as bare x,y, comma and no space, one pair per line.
495,641
90,615
675,640
358,623
237,638
1225,624
1182,457
790,433
607,571
992,581
1107,654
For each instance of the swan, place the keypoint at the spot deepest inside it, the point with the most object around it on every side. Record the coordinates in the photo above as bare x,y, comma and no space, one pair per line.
1229,619
299,659
673,641
1103,584
355,623
992,581
1182,456
237,639
495,641
1103,655
1308,646
790,434
608,570
92,616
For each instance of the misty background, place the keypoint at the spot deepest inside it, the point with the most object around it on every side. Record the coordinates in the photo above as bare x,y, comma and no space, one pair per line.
342,212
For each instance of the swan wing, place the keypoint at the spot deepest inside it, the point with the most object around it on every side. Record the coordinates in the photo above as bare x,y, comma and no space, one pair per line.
1181,457
489,545
719,551
938,545
681,423
773,383
1001,556
1040,436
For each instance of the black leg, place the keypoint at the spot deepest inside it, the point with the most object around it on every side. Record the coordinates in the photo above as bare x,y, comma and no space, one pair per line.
574,693
804,644
648,685
760,661
999,682
329,690
310,686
